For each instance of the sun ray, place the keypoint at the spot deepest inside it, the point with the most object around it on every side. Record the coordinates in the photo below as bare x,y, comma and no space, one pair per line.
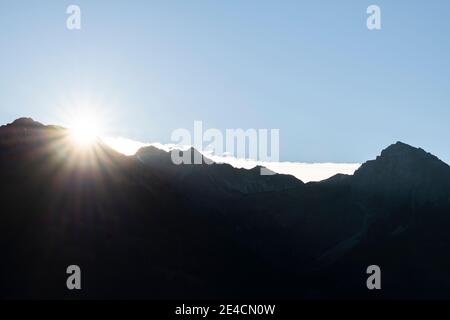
85,129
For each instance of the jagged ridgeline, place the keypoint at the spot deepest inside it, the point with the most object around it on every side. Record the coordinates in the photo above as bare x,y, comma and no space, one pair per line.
142,227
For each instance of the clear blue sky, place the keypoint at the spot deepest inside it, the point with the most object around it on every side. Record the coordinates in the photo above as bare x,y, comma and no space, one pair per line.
337,91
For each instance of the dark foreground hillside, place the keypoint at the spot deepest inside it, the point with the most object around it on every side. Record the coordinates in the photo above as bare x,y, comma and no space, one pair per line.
141,227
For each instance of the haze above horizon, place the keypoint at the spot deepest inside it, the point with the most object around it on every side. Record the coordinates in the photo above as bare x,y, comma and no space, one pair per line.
338,92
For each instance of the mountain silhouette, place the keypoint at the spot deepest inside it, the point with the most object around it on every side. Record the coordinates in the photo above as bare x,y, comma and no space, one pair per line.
405,170
143,227
208,177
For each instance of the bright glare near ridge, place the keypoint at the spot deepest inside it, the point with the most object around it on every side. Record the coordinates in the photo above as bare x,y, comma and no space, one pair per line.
85,129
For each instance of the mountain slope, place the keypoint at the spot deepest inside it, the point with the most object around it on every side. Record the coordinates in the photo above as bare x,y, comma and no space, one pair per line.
212,178
141,227
405,170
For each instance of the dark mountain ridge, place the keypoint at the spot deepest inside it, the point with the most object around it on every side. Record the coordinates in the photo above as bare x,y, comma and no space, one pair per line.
402,170
212,178
141,227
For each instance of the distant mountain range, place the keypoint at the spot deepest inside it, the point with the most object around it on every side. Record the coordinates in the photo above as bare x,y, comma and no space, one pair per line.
142,227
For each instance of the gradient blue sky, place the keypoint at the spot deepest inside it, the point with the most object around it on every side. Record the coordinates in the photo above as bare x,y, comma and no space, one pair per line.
337,91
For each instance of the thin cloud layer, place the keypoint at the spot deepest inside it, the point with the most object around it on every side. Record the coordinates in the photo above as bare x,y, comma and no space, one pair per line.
306,172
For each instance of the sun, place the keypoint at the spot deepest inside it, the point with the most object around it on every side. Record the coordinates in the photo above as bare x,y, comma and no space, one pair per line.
85,129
